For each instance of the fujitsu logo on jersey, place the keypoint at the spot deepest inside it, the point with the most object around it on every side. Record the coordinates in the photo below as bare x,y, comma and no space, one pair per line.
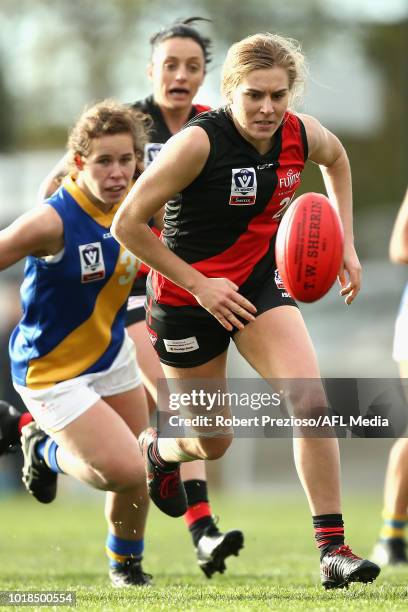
290,179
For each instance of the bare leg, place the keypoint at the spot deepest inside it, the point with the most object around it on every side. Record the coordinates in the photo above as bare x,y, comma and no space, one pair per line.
126,512
278,345
199,447
396,480
212,546
151,371
88,447
390,548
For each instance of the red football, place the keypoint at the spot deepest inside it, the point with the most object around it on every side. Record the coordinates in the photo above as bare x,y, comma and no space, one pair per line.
309,247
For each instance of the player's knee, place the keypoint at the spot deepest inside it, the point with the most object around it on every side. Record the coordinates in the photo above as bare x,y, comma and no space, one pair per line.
309,404
215,448
119,477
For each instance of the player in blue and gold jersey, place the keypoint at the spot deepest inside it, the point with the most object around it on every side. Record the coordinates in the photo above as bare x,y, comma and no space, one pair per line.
180,55
72,361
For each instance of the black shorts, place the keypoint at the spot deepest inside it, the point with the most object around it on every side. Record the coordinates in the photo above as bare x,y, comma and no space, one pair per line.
135,313
189,336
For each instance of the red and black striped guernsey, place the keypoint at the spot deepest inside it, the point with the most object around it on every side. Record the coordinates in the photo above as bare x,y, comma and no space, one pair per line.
224,222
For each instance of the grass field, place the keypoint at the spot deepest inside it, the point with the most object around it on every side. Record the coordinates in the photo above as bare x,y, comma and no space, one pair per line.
61,547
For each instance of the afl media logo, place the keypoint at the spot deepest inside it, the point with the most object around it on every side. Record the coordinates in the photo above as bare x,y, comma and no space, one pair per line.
243,187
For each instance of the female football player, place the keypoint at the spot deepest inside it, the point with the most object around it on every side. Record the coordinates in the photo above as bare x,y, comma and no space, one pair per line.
213,273
90,404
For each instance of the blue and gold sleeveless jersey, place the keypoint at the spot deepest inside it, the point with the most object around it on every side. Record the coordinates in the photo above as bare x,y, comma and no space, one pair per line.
73,305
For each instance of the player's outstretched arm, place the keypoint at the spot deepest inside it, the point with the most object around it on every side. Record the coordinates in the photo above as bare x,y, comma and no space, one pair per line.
177,165
38,232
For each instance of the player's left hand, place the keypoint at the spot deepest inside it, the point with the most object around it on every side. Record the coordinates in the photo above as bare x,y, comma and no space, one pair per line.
351,270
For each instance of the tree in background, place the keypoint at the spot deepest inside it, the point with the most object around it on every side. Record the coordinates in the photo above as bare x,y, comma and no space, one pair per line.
62,55
7,114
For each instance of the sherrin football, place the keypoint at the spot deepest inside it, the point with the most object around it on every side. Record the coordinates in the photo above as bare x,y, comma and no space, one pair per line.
309,247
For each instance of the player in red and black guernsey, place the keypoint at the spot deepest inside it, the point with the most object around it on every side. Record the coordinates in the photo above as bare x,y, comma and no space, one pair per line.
180,55
237,170
243,191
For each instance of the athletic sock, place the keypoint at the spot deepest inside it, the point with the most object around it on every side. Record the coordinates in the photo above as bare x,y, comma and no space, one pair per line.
156,458
47,450
170,451
24,419
393,527
329,532
120,550
198,516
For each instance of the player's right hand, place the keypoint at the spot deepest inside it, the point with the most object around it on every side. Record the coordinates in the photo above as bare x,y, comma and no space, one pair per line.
221,298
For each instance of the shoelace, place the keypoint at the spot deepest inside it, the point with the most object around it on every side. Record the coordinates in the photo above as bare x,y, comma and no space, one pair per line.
344,551
169,484
339,563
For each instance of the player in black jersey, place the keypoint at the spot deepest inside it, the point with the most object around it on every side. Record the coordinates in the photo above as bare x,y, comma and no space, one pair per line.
213,276
180,54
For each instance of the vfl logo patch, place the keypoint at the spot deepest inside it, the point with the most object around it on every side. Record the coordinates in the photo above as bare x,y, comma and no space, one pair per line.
151,151
243,187
92,263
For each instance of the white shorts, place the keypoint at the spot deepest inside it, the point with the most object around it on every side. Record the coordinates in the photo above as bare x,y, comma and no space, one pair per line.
400,348
55,407
135,301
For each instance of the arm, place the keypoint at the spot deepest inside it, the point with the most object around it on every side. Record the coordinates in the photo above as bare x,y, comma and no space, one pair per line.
158,219
53,180
179,162
399,236
38,232
326,150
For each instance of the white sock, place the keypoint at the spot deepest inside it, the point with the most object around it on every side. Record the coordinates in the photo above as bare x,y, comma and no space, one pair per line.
170,451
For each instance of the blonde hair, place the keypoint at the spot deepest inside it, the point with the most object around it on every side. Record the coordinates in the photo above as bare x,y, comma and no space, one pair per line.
262,51
108,117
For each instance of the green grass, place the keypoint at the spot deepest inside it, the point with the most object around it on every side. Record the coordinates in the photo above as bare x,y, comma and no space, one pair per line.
61,547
